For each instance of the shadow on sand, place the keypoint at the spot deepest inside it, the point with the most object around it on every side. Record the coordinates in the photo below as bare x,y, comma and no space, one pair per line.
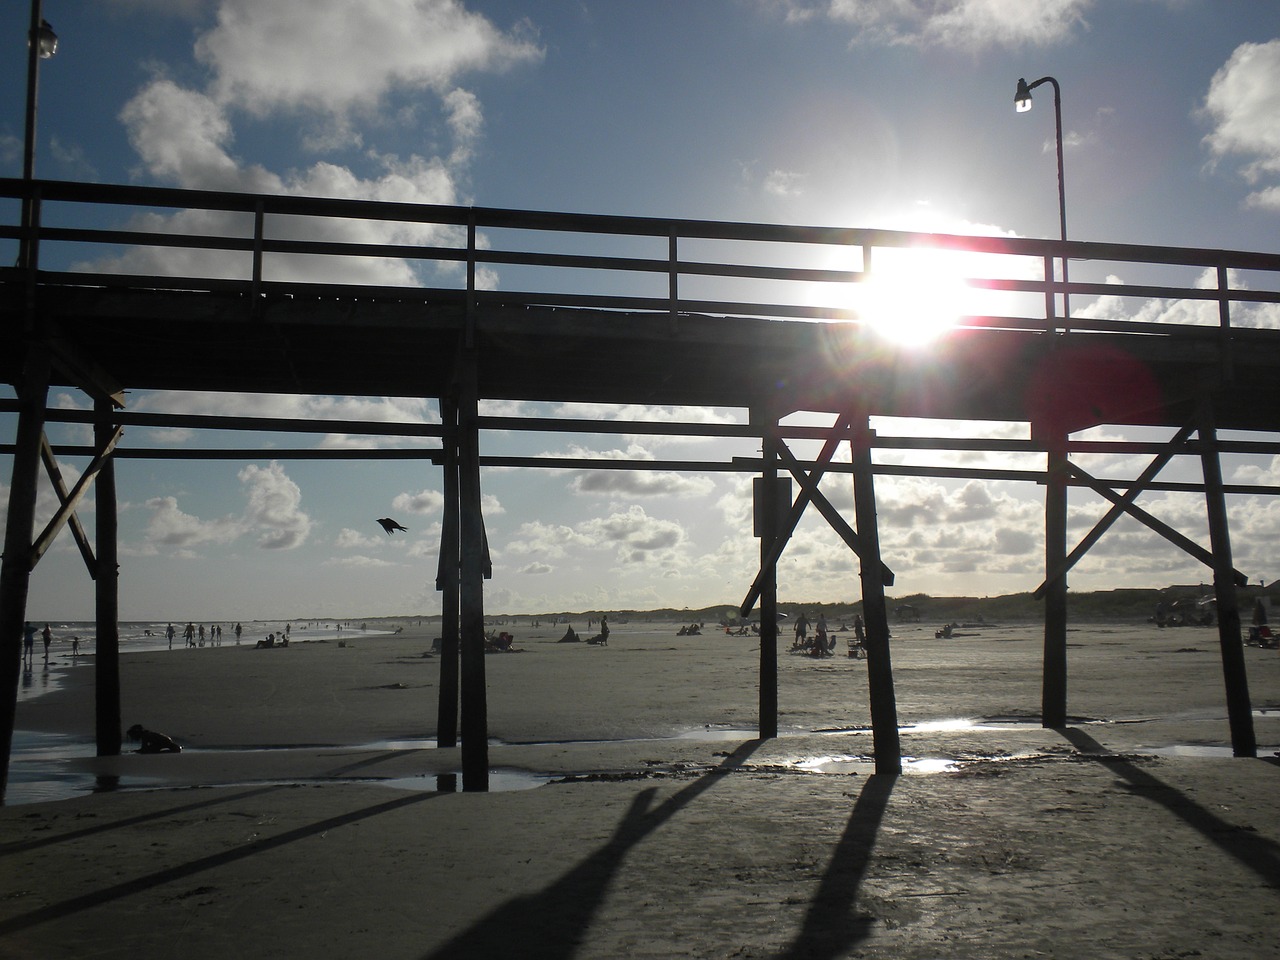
552,923
1255,852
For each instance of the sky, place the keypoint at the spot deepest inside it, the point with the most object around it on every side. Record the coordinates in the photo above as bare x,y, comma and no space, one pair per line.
859,113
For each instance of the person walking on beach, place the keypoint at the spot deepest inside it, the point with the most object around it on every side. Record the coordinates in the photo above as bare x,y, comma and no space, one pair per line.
169,634
190,634
48,639
28,642
802,632
237,632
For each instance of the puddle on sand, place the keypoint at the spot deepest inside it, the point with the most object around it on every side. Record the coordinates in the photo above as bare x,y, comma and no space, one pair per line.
39,770
848,765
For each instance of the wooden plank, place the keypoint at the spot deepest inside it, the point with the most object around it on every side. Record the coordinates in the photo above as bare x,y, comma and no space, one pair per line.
73,521
67,509
1175,447
1159,526
797,511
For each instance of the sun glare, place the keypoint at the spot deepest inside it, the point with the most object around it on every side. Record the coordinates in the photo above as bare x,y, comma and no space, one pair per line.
912,296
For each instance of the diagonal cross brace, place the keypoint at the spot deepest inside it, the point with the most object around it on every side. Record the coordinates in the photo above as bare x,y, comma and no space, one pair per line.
808,488
73,521
838,523
1159,526
67,510
1176,445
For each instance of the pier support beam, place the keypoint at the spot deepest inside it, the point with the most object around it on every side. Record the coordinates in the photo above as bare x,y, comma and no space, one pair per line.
1053,695
107,593
884,704
15,568
447,582
769,510
1239,709
475,716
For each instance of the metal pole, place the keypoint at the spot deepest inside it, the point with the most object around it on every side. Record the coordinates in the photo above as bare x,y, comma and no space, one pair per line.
1062,202
29,133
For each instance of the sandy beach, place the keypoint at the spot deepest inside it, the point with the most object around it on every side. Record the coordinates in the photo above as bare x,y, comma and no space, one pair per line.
634,812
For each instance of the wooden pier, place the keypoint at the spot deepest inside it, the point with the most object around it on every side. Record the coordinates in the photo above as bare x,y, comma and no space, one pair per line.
553,307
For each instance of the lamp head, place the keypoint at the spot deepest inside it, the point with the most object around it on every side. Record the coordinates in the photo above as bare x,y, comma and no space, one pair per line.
45,40
1022,98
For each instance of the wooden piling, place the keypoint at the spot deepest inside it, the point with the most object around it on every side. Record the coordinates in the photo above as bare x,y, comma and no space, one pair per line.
447,582
15,567
475,719
106,661
767,518
1239,709
1053,693
884,706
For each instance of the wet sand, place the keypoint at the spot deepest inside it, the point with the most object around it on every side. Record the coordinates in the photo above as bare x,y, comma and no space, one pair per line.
304,817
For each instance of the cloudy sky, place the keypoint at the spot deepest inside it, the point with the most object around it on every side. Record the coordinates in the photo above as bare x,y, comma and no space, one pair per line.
859,113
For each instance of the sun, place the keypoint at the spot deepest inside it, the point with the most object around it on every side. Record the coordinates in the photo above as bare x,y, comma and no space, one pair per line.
912,295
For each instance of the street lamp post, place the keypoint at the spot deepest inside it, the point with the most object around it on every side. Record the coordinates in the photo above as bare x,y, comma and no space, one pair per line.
1053,709
1022,103
42,43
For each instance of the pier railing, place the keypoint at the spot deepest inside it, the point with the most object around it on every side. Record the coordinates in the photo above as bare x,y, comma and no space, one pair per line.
98,235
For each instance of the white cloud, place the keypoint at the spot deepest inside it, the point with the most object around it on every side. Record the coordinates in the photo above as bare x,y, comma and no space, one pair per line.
421,503
634,533
783,183
640,483
348,539
273,510
358,561
318,61
170,527
274,507
1244,104
332,56
967,24
1183,311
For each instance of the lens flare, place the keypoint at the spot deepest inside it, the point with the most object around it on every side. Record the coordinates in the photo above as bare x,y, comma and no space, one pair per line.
913,296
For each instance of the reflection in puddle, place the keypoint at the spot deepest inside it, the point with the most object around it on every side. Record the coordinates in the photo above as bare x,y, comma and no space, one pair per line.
848,764
500,781
41,763
39,769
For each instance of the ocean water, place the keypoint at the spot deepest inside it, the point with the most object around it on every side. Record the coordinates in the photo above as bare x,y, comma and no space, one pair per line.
136,635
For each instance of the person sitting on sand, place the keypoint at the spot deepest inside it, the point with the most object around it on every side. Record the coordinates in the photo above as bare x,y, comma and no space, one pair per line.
151,742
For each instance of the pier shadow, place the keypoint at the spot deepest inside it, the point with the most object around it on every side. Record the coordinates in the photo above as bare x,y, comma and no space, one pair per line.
832,927
111,894
1257,853
551,924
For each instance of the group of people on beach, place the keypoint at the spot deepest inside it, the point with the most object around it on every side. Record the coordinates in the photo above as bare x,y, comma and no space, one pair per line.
823,643
193,635
29,631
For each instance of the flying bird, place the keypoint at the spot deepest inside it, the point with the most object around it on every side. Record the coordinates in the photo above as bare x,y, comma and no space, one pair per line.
391,526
